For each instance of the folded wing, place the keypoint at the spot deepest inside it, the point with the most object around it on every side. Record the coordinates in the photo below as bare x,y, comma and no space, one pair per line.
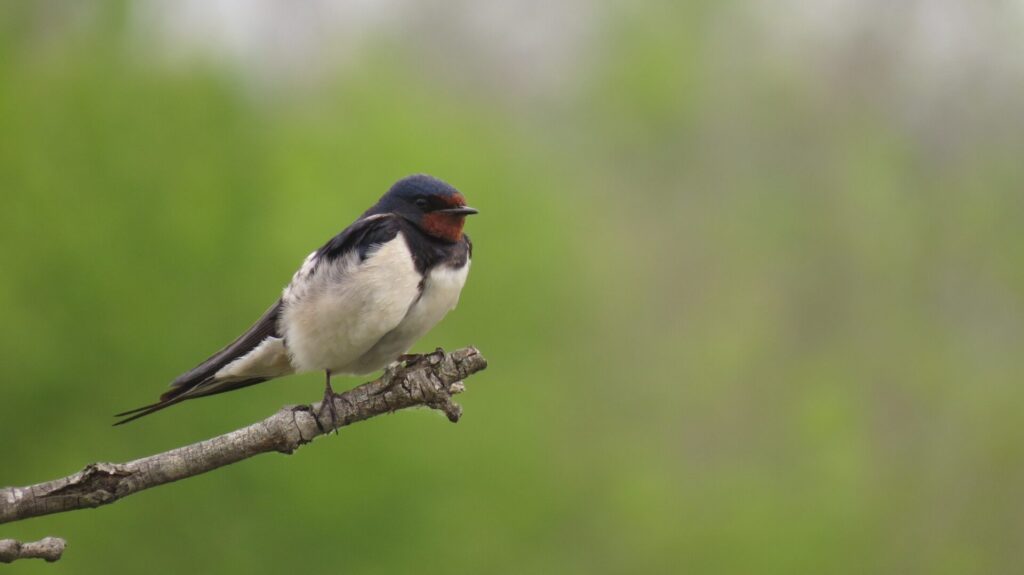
256,356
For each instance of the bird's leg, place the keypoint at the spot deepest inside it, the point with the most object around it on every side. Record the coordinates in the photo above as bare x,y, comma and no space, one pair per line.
328,402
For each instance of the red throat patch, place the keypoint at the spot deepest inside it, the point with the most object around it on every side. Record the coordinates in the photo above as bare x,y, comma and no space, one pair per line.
444,226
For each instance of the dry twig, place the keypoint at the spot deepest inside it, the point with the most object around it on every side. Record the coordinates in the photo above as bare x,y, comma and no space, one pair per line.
48,548
428,380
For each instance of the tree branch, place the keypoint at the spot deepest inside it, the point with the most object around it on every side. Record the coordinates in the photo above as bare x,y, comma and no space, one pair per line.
429,380
48,548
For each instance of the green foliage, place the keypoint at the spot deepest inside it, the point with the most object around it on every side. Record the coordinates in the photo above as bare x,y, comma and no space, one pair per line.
753,330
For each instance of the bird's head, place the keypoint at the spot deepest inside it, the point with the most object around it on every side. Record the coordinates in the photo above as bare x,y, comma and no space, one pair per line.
432,205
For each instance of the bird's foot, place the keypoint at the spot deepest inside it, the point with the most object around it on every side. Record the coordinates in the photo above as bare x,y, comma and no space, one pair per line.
328,404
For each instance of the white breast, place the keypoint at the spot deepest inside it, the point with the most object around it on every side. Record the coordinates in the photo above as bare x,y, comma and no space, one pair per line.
441,290
440,295
334,316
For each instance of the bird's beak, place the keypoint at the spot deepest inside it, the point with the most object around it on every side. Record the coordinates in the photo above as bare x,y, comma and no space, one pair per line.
460,211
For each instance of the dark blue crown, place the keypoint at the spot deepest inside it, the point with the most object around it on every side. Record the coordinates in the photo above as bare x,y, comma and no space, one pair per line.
401,198
416,185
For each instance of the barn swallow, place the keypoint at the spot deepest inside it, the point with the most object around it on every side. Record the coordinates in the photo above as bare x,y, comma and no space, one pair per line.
356,304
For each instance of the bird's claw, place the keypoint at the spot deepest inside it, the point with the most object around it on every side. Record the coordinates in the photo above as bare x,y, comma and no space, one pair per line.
328,403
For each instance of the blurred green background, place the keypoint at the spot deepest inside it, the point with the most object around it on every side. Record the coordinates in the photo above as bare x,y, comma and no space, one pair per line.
750,279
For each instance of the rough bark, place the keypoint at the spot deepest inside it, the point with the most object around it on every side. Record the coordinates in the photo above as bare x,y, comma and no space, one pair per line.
48,548
428,380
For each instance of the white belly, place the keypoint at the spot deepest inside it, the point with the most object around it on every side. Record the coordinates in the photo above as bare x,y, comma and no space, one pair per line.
440,295
338,314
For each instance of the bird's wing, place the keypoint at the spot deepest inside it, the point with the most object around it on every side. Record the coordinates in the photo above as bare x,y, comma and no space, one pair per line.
264,327
201,381
361,236
263,343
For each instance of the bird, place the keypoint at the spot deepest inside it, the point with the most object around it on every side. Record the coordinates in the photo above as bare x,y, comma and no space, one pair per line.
356,304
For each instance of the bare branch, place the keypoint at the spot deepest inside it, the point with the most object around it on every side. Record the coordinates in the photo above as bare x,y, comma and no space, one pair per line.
48,548
429,380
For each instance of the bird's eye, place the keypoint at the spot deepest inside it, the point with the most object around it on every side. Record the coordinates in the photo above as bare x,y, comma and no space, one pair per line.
422,203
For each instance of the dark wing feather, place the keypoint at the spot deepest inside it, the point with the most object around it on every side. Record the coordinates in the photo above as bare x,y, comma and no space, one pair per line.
190,384
264,327
167,399
361,236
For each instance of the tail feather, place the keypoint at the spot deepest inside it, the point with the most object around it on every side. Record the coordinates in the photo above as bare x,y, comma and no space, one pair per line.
146,410
136,410
261,346
178,394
